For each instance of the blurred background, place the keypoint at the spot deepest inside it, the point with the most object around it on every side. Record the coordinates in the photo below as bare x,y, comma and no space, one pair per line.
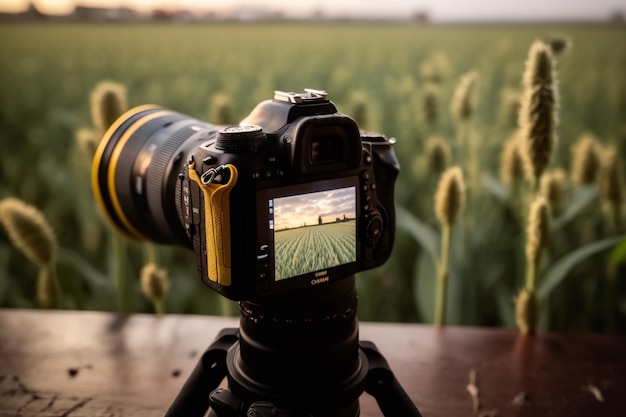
397,69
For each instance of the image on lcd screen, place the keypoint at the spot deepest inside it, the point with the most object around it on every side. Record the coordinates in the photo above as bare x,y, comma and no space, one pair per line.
314,231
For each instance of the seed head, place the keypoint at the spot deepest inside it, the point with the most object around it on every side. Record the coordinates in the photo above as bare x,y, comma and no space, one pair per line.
108,102
539,66
585,160
430,105
527,311
538,110
222,112
28,230
559,45
538,230
438,153
611,181
154,282
463,103
87,142
511,165
359,107
450,196
510,106
552,188
434,70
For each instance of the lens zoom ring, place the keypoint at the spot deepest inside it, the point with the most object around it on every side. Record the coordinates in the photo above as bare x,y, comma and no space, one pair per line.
155,175
124,181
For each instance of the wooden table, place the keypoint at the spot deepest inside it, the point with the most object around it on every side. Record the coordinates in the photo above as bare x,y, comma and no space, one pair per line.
92,364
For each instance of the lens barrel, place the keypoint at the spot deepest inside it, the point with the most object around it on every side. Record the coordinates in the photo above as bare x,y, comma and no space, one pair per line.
301,351
132,176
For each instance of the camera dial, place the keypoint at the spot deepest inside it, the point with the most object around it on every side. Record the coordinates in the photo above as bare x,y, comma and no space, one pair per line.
241,139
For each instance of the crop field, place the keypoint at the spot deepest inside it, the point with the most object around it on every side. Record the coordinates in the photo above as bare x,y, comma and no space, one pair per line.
400,80
313,248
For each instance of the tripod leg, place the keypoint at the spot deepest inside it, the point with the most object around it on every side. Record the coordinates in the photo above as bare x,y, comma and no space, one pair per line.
382,384
193,398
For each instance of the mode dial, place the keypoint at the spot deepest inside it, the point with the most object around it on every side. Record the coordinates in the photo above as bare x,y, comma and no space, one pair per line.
240,139
373,227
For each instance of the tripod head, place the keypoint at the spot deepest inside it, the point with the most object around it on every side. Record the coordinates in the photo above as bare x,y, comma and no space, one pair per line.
293,358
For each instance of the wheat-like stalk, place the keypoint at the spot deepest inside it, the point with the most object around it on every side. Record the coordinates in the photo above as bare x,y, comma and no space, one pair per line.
527,311
449,200
434,69
86,143
438,154
511,164
48,287
155,285
463,104
450,196
611,185
32,235
359,108
538,111
552,188
510,106
29,231
538,230
221,110
108,102
430,105
558,45
585,160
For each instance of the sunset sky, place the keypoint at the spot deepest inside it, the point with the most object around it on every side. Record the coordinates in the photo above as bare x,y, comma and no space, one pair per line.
439,10
295,211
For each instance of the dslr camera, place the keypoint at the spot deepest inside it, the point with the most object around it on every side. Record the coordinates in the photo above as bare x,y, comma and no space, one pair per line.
295,196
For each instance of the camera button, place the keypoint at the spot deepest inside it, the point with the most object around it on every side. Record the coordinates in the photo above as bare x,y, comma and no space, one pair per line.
209,160
366,176
373,187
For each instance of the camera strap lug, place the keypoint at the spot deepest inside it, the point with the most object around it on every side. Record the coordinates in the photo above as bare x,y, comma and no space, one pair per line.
211,174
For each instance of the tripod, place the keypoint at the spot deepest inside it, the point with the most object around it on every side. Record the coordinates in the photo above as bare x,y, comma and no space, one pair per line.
293,358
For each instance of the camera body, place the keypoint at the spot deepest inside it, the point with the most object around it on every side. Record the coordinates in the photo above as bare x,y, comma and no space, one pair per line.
294,196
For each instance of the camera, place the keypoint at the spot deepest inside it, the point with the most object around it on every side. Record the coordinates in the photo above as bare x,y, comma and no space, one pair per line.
295,196
281,211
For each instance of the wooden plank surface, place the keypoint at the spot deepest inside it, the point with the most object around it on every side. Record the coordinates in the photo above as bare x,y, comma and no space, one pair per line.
79,364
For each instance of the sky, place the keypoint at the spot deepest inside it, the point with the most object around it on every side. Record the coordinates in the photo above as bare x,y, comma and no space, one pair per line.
439,10
298,210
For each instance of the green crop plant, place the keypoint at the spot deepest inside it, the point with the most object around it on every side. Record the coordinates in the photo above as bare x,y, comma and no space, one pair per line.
408,75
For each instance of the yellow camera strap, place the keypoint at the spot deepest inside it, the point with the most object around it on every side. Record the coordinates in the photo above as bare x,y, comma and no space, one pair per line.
216,221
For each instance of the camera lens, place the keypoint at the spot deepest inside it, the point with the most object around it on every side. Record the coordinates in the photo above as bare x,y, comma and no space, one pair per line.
133,174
